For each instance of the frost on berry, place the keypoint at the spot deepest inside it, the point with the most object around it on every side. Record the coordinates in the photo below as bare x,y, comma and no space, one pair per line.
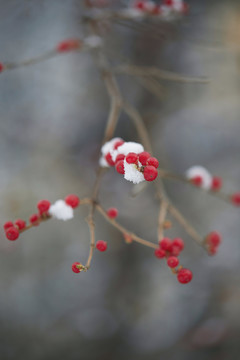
61,211
43,206
197,172
112,213
108,148
101,245
184,276
131,173
12,233
72,200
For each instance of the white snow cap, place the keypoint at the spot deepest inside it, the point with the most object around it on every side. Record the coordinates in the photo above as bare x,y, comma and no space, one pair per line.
198,170
61,211
126,148
132,174
177,5
93,41
106,148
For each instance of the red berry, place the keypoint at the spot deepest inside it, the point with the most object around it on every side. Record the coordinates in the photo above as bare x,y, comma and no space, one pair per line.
132,158
166,244
7,225
214,238
101,245
168,2
160,253
75,268
117,144
109,160
120,167
178,243
120,157
197,180
235,198
140,5
43,206
172,261
68,45
72,200
150,173
184,276
21,224
112,213
143,156
12,233
153,162
175,251
1,67
216,183
34,219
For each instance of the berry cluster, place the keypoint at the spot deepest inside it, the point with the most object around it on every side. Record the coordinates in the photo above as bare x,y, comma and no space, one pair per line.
170,249
130,160
201,177
166,8
45,212
212,241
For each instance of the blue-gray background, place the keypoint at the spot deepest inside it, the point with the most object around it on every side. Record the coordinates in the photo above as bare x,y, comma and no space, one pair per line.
52,118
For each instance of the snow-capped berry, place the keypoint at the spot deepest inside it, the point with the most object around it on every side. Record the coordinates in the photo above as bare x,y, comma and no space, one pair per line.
165,244
21,224
216,183
112,213
43,206
72,200
184,276
197,180
143,157
235,198
1,67
132,158
101,245
117,144
160,253
172,261
75,267
7,225
214,238
12,233
69,45
120,157
153,162
120,167
150,173
109,160
195,171
178,242
34,219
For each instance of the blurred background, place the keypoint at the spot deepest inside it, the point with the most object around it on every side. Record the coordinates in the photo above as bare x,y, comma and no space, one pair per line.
52,119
